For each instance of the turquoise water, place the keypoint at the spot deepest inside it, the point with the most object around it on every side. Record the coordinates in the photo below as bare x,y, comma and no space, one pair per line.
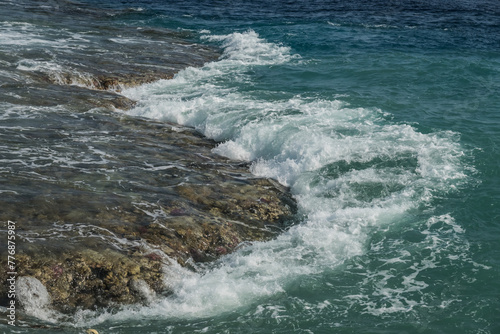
383,120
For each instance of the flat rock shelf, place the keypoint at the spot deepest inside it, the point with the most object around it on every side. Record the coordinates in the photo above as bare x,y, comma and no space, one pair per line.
105,241
105,205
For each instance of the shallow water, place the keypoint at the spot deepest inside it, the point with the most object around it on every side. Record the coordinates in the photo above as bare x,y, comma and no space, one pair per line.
382,120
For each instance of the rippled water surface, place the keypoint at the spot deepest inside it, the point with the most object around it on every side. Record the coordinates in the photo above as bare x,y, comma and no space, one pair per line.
383,119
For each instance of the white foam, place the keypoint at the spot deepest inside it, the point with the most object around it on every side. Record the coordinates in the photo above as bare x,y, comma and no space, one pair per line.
143,289
397,284
15,34
62,75
249,49
22,34
34,298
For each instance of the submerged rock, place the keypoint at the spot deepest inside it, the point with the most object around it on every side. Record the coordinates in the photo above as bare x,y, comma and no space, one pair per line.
108,234
95,75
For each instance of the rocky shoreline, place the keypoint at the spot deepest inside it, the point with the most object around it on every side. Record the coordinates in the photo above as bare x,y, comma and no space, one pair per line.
122,255
88,240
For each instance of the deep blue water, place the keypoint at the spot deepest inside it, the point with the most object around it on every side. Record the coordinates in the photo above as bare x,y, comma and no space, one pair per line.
383,117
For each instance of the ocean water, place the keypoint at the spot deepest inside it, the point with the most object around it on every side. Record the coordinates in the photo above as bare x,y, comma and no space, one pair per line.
383,118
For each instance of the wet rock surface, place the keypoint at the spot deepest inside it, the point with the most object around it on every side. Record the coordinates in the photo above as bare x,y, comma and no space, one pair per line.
105,205
96,60
92,232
